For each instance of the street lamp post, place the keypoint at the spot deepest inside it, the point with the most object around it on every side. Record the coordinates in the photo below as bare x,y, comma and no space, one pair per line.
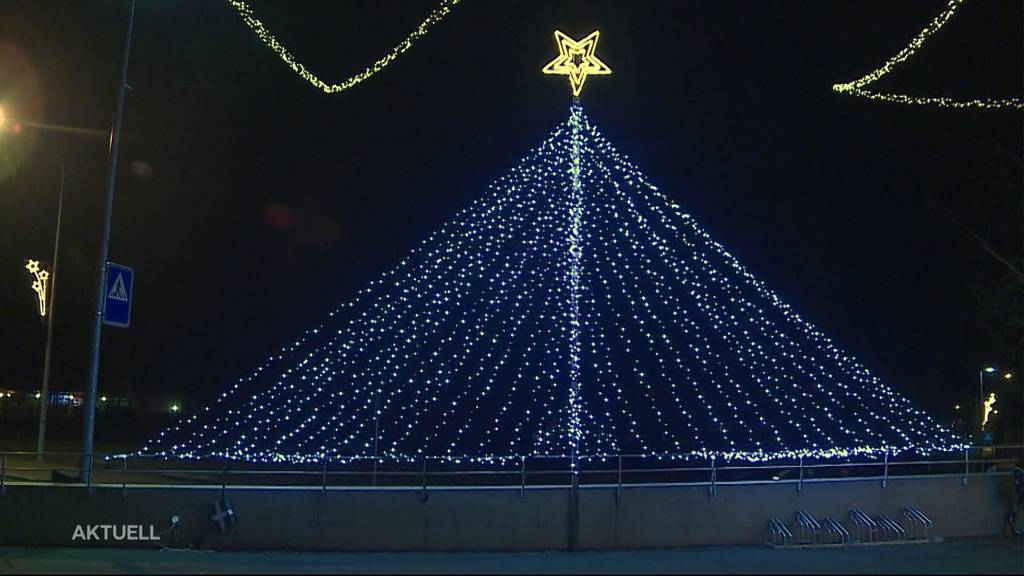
981,398
44,397
1007,376
989,369
89,420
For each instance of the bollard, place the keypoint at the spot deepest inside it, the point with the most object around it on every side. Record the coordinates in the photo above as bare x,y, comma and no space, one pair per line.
967,465
800,482
885,471
88,477
124,476
424,477
618,491
522,485
223,479
712,490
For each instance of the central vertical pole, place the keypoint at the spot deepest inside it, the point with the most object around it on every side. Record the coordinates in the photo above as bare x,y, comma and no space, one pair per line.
575,257
89,419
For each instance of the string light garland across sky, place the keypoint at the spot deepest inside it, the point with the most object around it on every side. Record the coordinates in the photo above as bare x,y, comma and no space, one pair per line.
575,312
858,86
264,34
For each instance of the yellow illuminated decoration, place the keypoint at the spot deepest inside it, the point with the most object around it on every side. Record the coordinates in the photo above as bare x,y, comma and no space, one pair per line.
39,283
857,87
577,60
268,38
988,409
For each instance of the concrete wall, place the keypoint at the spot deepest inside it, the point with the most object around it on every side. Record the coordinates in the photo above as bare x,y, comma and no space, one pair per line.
492,519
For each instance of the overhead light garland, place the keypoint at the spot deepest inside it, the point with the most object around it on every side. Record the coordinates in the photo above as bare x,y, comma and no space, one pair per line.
858,87
286,56
40,284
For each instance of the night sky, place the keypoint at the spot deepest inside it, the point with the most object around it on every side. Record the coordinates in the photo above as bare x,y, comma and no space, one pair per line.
250,204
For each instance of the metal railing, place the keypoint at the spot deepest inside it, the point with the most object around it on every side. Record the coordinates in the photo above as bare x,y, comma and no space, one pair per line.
617,471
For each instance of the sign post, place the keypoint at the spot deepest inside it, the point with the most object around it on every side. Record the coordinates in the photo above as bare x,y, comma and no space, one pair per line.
89,421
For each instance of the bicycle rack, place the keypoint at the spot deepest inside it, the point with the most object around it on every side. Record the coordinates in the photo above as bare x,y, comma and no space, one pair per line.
808,527
780,535
836,532
891,529
864,526
917,519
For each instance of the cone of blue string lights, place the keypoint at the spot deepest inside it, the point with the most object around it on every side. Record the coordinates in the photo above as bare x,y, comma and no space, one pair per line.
574,312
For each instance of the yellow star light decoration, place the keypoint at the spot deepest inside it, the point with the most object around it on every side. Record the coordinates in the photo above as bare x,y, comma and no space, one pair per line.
576,60
40,278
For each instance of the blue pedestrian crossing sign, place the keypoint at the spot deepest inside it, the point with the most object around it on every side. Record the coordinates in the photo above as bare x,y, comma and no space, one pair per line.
117,302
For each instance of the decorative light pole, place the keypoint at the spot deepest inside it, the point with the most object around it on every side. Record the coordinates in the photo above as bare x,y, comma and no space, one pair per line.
981,397
40,284
576,59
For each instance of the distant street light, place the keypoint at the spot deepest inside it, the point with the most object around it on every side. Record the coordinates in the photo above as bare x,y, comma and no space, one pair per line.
45,285
47,356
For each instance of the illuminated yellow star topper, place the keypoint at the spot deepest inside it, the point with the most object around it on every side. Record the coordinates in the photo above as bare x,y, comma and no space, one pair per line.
576,60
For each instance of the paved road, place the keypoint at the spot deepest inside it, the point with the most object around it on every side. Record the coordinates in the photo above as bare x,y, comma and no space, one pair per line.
989,556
